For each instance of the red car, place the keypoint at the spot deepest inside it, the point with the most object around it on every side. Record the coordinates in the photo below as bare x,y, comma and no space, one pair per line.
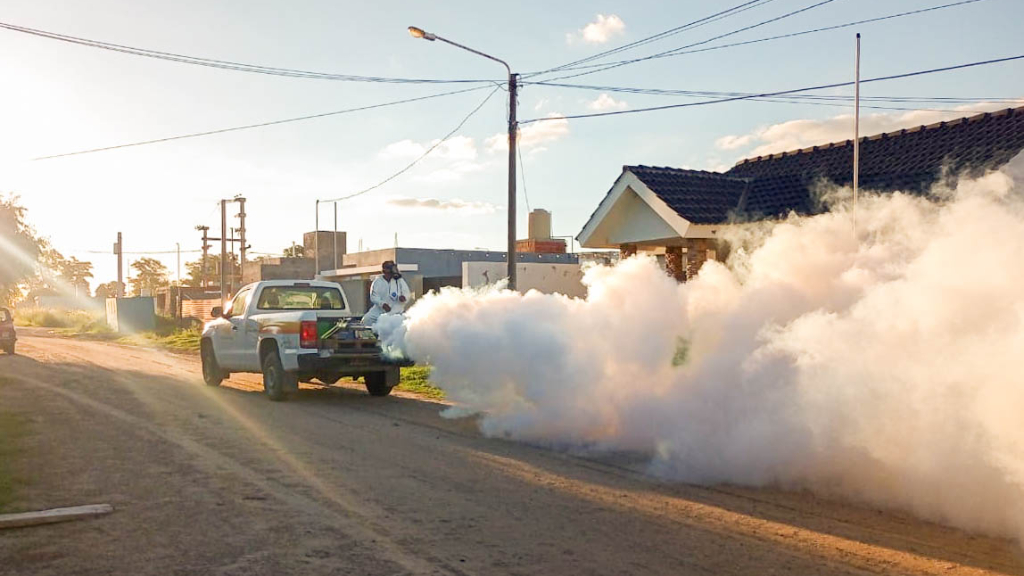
7,335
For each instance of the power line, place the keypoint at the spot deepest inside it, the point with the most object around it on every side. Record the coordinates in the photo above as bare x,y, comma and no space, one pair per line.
683,50
705,93
522,174
260,125
133,253
702,42
778,93
672,31
225,64
421,157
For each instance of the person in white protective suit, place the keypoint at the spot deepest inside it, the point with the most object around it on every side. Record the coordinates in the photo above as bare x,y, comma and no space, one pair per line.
388,293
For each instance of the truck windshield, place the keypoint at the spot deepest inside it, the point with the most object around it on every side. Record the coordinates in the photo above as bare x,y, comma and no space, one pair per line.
300,298
5,316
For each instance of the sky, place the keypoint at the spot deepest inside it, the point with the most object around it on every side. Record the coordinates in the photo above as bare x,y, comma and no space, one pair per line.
59,97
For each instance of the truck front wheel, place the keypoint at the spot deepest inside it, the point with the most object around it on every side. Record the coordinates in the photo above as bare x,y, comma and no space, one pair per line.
212,374
276,381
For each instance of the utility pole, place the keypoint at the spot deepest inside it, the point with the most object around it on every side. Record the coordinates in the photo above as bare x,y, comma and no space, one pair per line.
231,259
177,245
316,241
206,250
335,236
241,235
120,278
223,252
856,136
513,127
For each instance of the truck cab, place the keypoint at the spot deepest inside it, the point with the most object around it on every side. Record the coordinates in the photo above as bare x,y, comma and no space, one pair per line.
292,330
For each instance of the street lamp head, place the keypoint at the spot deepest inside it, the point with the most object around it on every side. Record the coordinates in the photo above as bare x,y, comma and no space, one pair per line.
421,33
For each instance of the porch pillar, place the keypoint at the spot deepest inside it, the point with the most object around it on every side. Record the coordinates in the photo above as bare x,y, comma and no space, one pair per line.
674,263
699,251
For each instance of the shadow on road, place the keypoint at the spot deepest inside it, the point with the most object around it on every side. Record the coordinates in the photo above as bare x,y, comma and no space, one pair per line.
597,478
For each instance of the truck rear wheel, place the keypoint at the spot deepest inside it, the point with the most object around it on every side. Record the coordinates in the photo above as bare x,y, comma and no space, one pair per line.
377,384
212,374
276,381
9,348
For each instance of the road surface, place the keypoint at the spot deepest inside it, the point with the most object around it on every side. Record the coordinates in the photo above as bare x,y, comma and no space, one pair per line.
221,481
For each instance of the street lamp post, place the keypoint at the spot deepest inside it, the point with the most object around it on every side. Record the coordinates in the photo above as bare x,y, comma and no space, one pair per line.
512,134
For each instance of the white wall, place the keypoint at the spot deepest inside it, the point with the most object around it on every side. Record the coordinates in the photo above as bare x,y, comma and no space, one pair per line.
547,278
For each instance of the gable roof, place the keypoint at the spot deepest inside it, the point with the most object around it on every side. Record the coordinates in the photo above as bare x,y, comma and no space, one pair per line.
911,160
699,196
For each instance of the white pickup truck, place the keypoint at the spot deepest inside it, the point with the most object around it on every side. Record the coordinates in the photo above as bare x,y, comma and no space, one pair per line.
292,330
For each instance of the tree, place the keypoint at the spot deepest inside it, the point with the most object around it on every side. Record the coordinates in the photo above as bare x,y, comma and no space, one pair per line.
106,290
294,251
150,274
76,274
19,249
194,270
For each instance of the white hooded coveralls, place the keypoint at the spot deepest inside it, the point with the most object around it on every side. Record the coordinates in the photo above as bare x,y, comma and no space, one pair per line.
386,292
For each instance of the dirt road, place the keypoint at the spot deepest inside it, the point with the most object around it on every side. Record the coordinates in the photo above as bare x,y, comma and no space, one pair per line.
222,481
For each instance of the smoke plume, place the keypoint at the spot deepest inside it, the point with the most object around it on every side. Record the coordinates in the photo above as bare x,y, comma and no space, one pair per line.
882,365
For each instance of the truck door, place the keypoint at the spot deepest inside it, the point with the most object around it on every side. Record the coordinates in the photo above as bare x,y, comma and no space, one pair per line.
247,335
230,354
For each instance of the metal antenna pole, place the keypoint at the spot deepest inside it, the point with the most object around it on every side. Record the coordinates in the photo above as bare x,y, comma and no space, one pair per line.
856,136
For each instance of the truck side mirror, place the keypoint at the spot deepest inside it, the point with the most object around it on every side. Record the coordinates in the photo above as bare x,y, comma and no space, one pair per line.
216,312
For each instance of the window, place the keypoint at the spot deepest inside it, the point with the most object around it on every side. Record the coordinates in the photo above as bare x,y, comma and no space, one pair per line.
300,298
238,304
5,316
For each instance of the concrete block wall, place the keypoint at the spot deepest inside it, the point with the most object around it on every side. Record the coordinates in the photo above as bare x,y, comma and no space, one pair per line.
547,278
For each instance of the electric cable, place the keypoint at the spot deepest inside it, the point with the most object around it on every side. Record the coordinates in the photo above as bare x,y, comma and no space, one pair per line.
686,49
672,31
780,92
825,97
702,42
226,64
260,125
522,174
421,157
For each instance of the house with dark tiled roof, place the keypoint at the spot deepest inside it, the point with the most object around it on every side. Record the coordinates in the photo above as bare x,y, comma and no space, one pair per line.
681,213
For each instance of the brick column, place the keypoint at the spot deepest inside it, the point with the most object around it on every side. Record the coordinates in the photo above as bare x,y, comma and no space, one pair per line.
674,263
627,250
698,251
